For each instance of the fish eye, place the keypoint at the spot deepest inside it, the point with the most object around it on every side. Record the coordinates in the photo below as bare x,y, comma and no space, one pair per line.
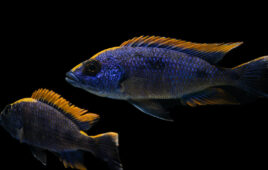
92,68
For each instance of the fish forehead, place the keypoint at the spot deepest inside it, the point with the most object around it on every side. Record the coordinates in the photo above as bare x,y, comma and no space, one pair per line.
28,100
105,52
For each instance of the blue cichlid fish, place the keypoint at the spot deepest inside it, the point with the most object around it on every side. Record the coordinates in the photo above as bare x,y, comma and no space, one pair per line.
150,71
46,121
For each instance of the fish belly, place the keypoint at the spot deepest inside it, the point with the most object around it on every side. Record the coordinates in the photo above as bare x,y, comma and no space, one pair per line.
166,74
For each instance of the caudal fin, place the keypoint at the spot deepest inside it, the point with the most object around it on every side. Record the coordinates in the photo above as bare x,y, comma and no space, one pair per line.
107,144
253,76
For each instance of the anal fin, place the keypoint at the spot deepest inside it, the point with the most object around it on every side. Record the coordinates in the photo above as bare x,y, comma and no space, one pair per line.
73,159
153,108
211,96
40,155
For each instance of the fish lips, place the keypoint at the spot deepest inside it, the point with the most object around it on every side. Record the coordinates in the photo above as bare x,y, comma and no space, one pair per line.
76,82
72,79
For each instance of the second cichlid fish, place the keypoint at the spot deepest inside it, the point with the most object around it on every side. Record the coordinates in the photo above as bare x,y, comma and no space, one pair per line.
47,122
150,72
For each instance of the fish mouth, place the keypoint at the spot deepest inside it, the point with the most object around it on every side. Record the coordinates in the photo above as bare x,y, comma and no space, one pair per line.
72,79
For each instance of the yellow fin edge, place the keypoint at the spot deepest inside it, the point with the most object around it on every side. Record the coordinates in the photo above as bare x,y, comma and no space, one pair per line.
103,51
83,133
76,67
24,100
113,135
203,47
76,165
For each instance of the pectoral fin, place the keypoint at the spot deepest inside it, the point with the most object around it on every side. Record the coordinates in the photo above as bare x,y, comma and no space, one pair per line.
211,96
40,155
153,108
20,134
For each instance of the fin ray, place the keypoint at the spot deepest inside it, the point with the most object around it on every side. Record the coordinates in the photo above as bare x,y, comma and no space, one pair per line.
253,76
108,143
211,96
212,52
40,155
73,159
153,108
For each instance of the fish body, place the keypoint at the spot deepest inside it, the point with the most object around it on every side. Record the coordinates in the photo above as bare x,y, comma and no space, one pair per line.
158,73
47,128
147,70
58,128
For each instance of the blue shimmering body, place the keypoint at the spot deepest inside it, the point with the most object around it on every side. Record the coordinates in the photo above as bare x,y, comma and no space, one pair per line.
159,73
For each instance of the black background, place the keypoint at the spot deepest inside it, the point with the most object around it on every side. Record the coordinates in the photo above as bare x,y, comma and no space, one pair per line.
41,42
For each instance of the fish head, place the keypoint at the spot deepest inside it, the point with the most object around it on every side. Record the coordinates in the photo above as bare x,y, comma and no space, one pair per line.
100,75
10,119
6,115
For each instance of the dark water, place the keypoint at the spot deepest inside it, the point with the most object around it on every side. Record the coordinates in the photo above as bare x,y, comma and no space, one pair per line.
40,47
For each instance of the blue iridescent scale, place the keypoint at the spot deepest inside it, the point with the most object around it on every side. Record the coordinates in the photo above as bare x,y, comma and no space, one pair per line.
162,73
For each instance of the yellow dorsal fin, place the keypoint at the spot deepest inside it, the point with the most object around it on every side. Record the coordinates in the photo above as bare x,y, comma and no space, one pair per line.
212,52
55,100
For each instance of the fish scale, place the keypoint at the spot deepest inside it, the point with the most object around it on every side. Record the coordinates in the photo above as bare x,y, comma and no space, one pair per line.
173,80
52,126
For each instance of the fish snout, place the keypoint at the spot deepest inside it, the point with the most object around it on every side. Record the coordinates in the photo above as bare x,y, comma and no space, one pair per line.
4,112
72,79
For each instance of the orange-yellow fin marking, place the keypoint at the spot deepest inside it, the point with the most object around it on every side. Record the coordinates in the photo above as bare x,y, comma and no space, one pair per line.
54,99
212,52
103,51
75,164
83,133
24,100
113,136
170,42
212,96
76,67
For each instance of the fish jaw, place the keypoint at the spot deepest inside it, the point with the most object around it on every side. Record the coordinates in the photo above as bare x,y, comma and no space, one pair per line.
72,79
76,82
